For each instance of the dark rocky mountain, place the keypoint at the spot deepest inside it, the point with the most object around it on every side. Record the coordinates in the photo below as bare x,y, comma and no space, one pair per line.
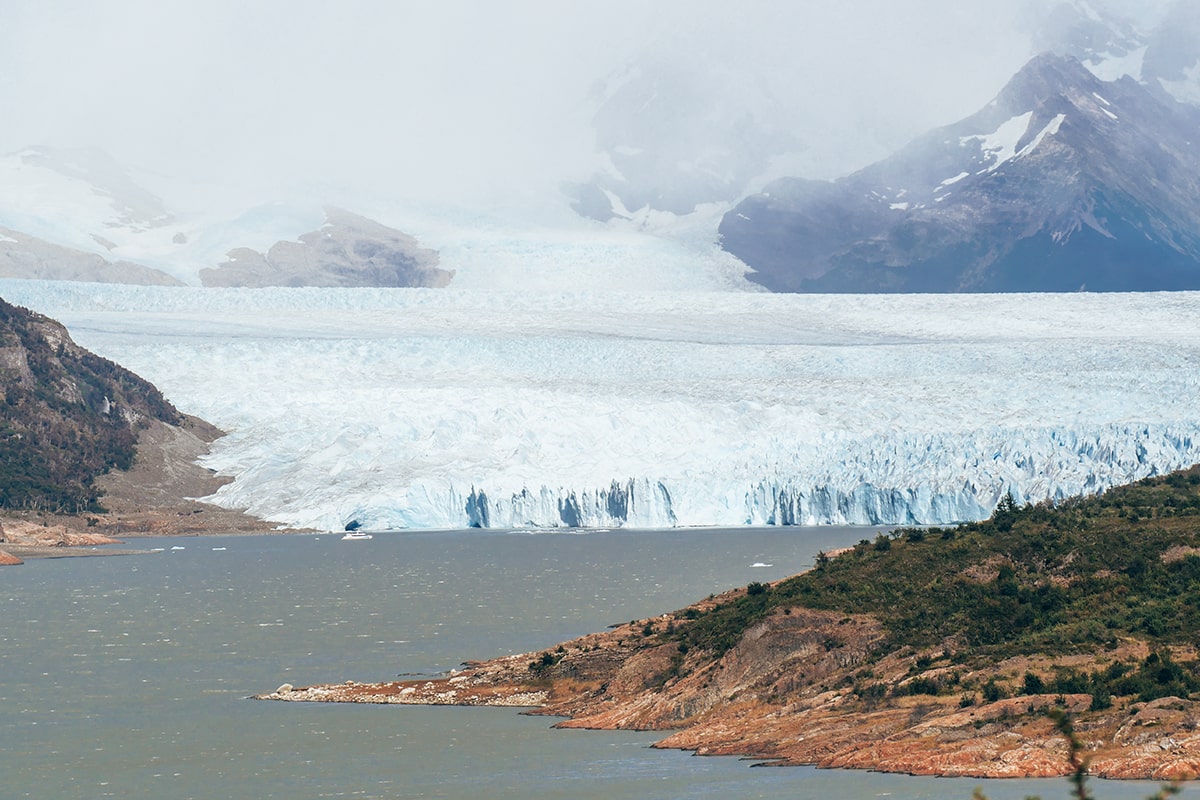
1063,182
68,417
348,250
78,215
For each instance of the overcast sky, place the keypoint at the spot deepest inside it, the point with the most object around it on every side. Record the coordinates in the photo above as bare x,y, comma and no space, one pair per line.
465,102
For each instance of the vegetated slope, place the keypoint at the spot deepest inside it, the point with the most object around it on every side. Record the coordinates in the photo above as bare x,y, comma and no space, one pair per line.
68,416
1076,578
1063,182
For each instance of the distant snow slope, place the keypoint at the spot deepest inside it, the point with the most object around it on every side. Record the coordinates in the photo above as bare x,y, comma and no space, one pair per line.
652,251
443,408
85,201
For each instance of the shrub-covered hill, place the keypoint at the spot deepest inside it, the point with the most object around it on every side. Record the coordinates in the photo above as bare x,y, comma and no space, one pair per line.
66,415
1078,577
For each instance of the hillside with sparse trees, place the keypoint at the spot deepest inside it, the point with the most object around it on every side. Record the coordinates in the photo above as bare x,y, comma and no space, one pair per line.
68,416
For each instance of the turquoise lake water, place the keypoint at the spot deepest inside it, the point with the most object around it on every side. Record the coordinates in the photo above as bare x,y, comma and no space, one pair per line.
127,677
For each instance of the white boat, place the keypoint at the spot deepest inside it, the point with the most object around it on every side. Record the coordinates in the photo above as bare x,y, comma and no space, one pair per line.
352,536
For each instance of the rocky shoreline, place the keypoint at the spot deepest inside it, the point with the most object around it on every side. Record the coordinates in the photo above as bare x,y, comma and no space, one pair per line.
22,539
786,695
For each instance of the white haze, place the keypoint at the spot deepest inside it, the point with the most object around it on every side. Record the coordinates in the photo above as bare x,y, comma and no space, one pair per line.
468,104
473,104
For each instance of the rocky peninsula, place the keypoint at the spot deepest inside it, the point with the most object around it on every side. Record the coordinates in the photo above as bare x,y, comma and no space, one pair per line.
787,695
925,651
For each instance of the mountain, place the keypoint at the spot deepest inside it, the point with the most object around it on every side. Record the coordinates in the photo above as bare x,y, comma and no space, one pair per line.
348,250
69,415
28,257
78,215
1063,182
1107,43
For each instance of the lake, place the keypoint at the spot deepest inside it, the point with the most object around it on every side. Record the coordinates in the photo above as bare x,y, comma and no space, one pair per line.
128,676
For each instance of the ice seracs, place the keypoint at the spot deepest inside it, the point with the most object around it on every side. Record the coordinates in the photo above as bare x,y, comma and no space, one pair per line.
415,408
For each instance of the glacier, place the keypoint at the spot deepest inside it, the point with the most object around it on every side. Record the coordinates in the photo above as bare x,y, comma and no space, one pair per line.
410,408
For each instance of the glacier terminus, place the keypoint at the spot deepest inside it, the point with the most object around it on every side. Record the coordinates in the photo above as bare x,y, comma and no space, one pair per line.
417,408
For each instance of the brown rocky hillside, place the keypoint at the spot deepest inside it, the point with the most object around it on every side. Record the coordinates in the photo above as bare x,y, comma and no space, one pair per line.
68,415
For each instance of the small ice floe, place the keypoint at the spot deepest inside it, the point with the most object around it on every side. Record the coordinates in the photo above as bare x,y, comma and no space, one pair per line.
759,565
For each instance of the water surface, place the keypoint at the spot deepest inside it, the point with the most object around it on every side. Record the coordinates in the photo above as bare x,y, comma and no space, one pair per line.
127,677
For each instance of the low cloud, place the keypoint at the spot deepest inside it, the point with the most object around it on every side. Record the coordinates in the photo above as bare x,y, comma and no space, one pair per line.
467,103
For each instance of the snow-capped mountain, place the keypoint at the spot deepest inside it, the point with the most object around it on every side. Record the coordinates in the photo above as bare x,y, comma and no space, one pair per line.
63,217
76,215
430,409
79,215
86,188
1062,182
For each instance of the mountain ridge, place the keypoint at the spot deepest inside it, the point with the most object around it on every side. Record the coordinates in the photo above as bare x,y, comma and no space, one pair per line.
78,215
1063,182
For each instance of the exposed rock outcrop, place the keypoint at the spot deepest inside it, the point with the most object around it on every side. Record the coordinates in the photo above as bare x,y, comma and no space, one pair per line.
29,258
348,250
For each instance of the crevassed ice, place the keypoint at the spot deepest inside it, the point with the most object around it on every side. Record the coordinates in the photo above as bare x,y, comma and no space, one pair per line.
423,408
